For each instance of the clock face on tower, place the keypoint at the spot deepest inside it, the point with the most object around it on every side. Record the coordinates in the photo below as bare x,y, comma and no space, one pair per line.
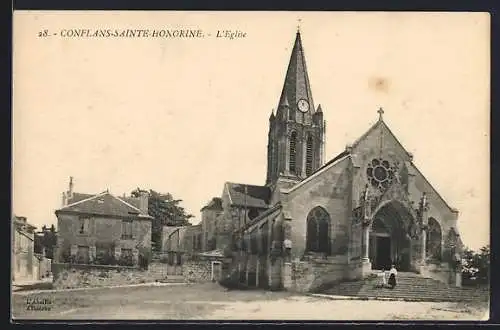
303,105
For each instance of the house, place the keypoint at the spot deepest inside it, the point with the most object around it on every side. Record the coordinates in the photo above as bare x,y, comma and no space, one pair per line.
102,228
24,261
210,218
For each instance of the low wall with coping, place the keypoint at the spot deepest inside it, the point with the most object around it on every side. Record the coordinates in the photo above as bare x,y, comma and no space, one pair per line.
68,276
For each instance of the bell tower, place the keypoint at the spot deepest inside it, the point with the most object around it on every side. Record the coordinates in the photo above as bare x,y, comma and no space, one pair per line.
296,132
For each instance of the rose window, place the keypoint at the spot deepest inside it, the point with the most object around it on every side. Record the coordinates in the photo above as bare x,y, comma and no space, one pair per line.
380,173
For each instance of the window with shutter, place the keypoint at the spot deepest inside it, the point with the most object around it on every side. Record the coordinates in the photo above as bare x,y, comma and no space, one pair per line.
293,152
83,225
309,155
127,229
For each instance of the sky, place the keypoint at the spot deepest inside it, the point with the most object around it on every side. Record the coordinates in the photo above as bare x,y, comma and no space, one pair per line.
186,115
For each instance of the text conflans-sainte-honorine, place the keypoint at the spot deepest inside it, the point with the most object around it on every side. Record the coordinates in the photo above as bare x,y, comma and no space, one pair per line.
148,33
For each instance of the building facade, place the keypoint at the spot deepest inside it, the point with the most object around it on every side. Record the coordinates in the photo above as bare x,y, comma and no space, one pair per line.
211,214
314,222
102,228
24,262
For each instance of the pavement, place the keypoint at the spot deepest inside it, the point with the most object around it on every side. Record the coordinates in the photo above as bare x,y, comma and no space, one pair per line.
25,282
209,301
30,292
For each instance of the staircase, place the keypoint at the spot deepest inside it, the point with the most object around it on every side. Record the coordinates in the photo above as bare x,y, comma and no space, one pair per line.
410,286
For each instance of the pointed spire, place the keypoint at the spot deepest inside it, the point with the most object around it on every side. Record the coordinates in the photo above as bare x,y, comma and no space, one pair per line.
319,110
271,117
296,85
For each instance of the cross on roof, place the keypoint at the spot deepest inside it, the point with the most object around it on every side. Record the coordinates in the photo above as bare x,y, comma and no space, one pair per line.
380,113
298,25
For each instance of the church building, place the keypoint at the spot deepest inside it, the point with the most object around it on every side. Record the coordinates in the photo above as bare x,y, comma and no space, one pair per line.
320,221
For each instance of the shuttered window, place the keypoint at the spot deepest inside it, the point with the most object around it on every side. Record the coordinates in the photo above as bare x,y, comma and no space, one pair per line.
309,155
127,229
293,152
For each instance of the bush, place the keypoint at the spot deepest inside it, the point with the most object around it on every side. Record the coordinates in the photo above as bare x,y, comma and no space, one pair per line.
476,266
126,260
105,259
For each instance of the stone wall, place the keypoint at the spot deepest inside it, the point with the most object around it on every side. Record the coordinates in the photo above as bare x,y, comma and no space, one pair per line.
197,271
310,275
441,272
66,276
329,191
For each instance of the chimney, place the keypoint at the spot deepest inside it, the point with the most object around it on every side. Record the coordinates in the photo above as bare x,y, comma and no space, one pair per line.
143,202
70,189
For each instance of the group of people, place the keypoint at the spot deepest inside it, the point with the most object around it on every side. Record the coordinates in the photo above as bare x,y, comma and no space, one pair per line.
392,277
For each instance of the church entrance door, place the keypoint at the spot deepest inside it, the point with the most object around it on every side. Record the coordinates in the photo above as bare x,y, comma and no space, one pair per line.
383,255
389,240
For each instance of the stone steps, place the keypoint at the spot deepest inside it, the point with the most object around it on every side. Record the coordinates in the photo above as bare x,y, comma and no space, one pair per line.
410,287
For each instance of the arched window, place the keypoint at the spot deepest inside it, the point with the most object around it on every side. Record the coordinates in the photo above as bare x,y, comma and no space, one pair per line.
293,152
318,231
309,155
433,241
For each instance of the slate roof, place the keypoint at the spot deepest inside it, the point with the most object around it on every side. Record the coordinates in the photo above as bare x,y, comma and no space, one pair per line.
248,195
103,204
296,84
333,160
132,201
214,204
79,197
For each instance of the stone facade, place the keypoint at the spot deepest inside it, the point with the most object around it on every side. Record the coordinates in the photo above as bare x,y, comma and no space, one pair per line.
366,208
103,231
186,239
101,228
24,262
211,214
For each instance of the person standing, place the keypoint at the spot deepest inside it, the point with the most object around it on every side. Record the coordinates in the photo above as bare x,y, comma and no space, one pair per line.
392,277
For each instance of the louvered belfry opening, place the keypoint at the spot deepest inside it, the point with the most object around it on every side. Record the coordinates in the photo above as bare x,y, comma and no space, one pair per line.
293,152
309,155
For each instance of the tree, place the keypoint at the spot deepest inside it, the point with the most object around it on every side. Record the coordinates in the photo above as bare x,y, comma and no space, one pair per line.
476,265
165,210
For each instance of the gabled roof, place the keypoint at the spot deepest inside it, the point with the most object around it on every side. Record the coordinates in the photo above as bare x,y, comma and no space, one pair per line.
248,195
214,204
383,125
333,162
135,202
22,222
76,197
103,204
